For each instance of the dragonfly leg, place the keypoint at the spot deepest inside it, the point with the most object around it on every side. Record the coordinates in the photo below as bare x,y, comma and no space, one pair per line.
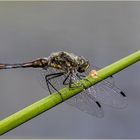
79,76
70,81
50,77
64,82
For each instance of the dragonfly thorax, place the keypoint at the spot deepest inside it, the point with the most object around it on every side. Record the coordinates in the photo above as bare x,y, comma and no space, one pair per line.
67,62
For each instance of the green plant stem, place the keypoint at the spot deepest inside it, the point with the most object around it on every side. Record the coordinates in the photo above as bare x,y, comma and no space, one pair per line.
50,101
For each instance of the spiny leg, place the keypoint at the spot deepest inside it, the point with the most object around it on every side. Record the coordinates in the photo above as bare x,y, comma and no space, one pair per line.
52,76
70,82
64,82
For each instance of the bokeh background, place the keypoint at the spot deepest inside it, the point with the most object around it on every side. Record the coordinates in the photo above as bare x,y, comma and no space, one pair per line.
100,31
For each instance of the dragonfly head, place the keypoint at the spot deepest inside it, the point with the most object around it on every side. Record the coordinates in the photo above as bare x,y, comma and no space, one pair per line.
83,64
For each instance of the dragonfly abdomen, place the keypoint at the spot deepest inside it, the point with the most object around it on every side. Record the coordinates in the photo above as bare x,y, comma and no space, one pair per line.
39,63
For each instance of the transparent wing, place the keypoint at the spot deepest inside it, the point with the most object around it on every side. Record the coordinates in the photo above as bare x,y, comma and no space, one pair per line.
86,102
108,93
83,101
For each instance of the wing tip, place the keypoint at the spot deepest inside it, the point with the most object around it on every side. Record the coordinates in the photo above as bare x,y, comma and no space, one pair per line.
99,105
123,94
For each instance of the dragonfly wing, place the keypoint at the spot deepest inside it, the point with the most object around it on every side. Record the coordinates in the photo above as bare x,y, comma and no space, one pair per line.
86,103
109,94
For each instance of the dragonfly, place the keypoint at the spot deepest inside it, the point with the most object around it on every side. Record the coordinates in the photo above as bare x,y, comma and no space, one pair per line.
62,69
